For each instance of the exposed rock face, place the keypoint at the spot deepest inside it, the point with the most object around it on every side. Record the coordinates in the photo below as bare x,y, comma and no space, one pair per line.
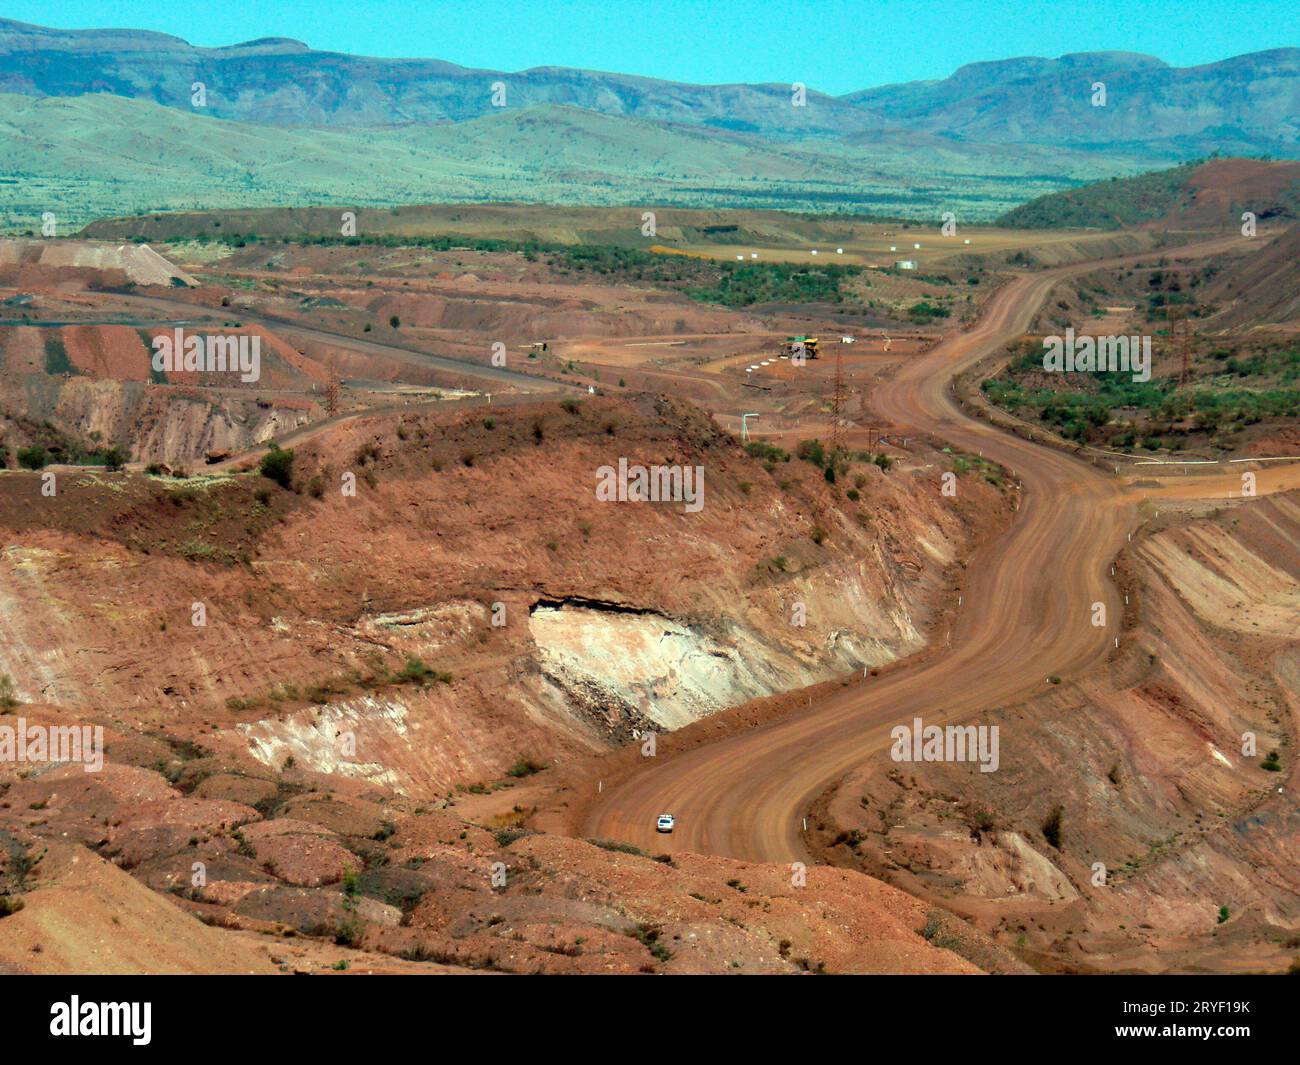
97,384
156,424
646,617
646,671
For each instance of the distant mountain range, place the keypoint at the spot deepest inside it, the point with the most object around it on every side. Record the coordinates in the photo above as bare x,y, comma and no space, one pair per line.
275,81
433,131
1250,103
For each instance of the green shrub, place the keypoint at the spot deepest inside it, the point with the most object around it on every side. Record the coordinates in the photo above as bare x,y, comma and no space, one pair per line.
348,932
812,451
760,449
33,458
415,671
277,465
115,457
525,767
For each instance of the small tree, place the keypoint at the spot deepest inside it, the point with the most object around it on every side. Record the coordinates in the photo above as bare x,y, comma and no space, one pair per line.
277,465
33,458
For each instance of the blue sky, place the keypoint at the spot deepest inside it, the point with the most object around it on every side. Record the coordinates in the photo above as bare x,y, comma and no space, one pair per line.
836,46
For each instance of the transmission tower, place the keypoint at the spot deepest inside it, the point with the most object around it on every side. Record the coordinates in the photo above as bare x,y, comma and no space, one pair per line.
332,394
837,404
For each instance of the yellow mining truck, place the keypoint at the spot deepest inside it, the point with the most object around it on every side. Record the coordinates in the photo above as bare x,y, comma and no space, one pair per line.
793,345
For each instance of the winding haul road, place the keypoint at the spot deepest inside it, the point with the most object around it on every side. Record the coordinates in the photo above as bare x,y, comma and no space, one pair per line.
1026,615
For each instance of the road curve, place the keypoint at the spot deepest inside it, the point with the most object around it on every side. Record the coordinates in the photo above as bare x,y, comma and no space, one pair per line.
1026,615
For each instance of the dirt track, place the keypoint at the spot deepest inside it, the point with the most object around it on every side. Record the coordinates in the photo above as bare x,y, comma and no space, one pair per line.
413,356
1026,615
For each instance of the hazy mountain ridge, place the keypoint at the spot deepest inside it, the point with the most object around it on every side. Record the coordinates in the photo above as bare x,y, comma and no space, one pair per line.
1244,104
1248,103
283,82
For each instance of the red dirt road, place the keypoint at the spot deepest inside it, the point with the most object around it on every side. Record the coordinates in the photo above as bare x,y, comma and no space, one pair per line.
1027,614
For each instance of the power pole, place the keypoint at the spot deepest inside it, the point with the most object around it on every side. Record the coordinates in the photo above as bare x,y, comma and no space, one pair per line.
837,404
1180,330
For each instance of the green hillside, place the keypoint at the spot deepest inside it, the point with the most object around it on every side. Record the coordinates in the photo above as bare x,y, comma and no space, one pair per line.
1111,204
93,156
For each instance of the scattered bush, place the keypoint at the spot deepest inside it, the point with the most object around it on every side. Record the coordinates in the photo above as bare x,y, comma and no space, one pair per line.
812,451
415,671
115,458
277,466
348,932
617,846
507,836
33,458
760,449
